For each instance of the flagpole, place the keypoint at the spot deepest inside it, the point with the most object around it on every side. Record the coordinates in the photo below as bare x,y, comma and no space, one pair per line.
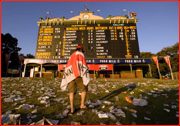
159,72
171,70
159,69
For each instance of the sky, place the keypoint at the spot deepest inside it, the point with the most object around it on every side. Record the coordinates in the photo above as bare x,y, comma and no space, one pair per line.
157,26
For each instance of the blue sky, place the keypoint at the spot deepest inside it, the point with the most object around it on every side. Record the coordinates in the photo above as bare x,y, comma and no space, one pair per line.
157,27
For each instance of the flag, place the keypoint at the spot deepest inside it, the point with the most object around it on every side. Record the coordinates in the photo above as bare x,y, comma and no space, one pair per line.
20,60
7,57
156,61
166,58
75,67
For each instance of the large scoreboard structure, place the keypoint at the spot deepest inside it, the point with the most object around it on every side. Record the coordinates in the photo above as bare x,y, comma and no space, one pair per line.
110,44
110,37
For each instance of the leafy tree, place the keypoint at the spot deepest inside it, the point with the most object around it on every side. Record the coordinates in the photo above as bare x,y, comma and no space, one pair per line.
173,53
29,56
9,46
154,70
146,54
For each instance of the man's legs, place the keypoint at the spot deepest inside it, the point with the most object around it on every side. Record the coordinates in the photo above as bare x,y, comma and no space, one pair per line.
71,98
71,94
83,96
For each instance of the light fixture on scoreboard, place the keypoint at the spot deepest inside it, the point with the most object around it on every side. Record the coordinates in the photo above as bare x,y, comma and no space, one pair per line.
72,13
48,13
123,11
98,12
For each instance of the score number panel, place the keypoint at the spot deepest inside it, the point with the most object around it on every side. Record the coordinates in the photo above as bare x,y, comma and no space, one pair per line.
98,41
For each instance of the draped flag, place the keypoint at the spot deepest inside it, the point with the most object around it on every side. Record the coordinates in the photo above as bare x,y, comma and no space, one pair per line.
75,67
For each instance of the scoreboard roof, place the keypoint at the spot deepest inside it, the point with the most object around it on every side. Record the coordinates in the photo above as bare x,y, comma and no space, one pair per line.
88,17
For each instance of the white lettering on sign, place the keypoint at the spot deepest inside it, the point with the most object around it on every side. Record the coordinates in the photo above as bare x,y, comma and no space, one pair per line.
103,61
69,36
99,50
67,54
101,53
99,47
98,44
70,31
103,65
71,48
41,50
67,50
70,39
99,30
100,38
100,33
101,41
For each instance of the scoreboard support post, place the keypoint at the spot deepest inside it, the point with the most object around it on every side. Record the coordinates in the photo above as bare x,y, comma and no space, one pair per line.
94,74
131,70
24,70
41,71
142,71
113,71
150,70
33,71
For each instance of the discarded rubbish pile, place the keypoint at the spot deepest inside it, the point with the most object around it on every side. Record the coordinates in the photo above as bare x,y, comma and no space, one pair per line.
40,101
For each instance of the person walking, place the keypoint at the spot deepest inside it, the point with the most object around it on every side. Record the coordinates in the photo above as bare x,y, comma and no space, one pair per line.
76,74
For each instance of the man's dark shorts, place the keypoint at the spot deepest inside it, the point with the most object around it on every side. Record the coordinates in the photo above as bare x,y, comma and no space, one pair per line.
78,82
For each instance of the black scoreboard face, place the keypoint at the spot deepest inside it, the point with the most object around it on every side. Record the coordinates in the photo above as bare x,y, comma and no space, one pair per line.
98,41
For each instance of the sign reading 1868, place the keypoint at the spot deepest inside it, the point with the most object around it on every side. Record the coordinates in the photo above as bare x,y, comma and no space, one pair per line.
103,40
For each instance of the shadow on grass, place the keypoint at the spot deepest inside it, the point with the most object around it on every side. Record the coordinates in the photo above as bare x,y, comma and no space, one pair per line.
118,91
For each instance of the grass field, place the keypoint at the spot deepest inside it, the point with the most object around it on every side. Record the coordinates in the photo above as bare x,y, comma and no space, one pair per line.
162,97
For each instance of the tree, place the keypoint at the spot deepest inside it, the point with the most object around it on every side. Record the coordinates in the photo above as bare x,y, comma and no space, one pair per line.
173,53
146,54
9,46
154,70
29,56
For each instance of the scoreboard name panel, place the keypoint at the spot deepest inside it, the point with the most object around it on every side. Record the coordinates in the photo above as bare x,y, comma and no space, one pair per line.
98,41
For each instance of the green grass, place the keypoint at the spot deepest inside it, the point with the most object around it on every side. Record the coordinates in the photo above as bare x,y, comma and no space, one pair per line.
154,109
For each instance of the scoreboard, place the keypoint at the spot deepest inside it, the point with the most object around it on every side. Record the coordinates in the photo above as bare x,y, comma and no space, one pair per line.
99,40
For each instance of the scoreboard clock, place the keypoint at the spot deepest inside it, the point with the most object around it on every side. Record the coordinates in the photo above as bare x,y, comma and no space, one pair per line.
86,16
